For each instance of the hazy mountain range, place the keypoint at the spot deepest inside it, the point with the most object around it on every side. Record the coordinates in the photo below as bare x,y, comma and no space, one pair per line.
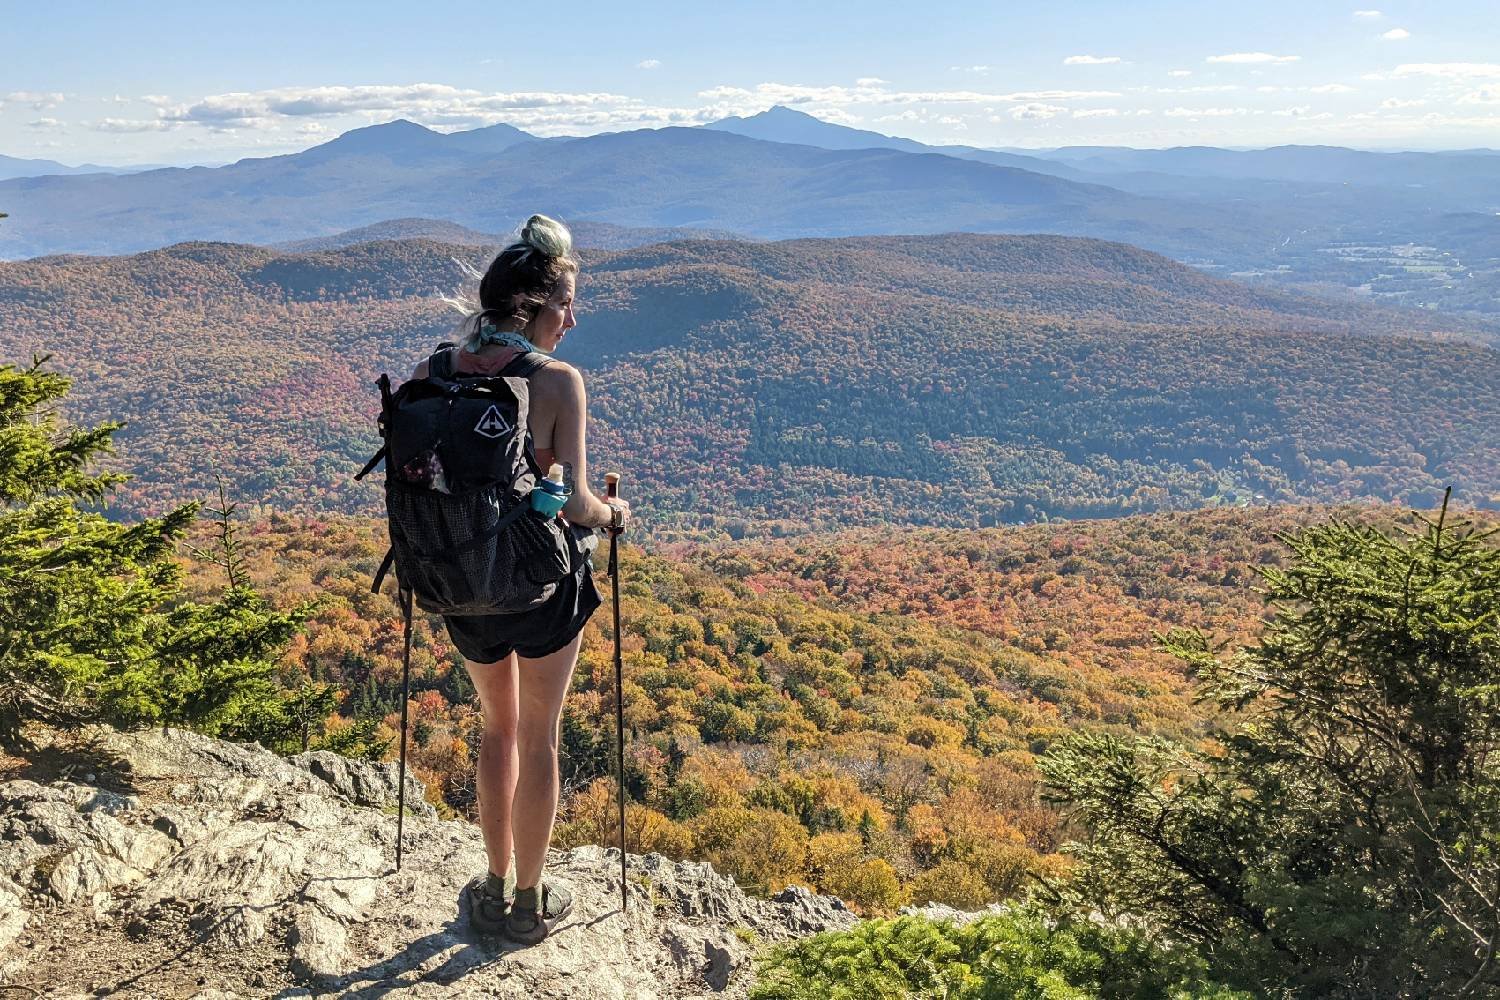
1418,228
12,166
597,235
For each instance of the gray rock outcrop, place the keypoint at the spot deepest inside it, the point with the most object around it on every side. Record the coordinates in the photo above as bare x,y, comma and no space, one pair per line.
190,867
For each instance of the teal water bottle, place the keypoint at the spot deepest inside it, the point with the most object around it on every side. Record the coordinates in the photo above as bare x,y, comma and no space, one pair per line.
551,493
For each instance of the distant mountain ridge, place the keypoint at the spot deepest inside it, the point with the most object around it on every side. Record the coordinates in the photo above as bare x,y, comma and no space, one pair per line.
672,177
403,141
1479,171
784,174
599,235
1475,170
12,166
783,124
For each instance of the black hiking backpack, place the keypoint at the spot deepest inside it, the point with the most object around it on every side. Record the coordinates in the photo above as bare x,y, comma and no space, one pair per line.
459,473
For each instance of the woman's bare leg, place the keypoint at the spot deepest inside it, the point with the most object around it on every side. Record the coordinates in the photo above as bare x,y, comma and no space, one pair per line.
543,686
496,684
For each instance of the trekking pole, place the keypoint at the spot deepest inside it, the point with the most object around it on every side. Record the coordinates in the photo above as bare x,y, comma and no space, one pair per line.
612,489
405,597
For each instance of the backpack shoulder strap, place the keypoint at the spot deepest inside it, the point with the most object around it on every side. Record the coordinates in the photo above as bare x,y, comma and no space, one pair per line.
526,365
440,362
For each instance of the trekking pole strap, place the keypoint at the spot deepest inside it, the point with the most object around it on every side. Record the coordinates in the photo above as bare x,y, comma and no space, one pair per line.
385,567
374,461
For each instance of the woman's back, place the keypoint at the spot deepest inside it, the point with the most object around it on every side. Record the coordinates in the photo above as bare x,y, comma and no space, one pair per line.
547,390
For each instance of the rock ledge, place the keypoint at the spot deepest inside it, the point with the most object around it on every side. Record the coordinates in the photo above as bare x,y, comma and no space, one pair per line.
183,866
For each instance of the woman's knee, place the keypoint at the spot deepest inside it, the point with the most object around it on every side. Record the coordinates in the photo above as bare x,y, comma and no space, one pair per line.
495,684
538,737
499,736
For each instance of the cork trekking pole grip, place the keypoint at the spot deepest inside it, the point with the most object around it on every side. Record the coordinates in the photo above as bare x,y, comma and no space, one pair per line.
612,492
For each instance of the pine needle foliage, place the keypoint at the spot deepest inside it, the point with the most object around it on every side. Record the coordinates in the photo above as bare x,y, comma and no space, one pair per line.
1020,954
92,624
1340,836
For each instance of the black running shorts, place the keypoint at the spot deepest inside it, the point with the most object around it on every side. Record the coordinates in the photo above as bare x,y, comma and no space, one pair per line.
542,630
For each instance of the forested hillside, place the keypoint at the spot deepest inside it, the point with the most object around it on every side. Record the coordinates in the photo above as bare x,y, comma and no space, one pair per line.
1044,713
957,380
861,712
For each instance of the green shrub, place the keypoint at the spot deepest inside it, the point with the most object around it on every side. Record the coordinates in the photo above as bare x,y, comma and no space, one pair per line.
93,627
1019,955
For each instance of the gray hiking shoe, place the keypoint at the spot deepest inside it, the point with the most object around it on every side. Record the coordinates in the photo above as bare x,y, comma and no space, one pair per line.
487,910
536,911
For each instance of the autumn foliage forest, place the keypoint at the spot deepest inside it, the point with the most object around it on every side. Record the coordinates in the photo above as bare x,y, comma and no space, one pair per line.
850,625
751,388
859,712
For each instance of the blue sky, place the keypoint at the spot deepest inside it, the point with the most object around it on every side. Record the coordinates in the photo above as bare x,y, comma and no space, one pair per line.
192,82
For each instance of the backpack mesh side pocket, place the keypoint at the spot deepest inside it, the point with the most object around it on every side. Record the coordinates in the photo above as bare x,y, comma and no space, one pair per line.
478,553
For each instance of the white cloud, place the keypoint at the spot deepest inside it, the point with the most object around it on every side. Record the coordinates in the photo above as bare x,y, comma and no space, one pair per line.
1251,58
1090,60
1484,95
839,116
1097,113
1367,13
783,93
1393,103
1057,95
1036,111
1301,112
1205,112
36,100
977,70
437,105
1331,88
1396,35
46,125
1451,70
545,112
953,122
1208,88
1179,72
127,125
648,64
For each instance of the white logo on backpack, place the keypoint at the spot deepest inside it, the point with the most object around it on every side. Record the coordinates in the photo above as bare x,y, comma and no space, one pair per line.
493,424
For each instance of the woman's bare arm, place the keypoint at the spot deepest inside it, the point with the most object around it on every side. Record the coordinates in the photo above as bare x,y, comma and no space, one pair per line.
570,449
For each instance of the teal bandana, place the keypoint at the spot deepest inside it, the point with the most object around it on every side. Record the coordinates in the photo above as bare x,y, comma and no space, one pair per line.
489,334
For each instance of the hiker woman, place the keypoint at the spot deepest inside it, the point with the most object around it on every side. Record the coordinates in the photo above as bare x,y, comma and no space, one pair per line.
522,664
